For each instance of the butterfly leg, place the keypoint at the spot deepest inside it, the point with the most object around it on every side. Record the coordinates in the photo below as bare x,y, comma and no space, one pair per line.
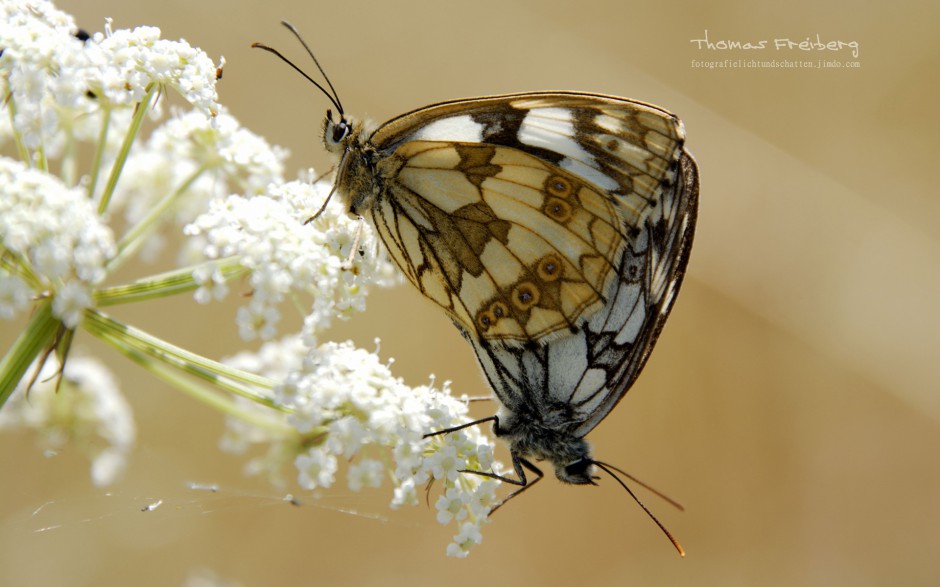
355,246
493,418
519,464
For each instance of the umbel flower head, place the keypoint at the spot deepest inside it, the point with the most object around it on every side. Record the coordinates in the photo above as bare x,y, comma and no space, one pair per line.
100,179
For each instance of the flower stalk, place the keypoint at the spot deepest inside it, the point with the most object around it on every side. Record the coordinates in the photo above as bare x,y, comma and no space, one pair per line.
321,409
140,111
37,336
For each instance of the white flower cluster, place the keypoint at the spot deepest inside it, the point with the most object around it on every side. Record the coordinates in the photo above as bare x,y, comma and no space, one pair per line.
87,411
209,158
38,43
56,240
62,90
346,406
286,255
55,81
140,57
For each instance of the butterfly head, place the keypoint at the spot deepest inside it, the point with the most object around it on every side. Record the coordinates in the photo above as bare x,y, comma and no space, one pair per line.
339,134
577,472
531,438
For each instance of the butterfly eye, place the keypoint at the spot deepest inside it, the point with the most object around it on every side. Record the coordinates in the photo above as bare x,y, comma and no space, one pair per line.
340,131
579,468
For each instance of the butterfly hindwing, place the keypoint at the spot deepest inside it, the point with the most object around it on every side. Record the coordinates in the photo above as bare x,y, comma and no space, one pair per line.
571,383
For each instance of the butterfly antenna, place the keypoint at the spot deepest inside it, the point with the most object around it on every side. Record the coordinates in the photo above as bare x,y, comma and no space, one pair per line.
300,71
645,486
610,471
336,102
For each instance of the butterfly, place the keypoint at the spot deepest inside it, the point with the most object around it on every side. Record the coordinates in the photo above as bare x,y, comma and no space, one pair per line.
553,228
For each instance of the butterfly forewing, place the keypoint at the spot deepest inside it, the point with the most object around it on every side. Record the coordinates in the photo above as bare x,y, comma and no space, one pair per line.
513,212
523,248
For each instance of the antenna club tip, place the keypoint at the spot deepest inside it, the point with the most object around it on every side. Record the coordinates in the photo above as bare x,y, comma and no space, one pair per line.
677,545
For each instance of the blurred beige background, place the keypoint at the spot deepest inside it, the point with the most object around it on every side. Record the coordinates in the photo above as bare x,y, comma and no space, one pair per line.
792,403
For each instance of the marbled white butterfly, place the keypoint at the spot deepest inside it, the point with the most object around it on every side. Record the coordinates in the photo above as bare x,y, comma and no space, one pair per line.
553,228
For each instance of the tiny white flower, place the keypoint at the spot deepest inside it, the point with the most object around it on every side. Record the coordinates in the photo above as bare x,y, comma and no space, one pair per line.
468,537
347,436
484,455
257,320
451,505
276,359
211,282
52,258
70,303
444,463
316,468
483,498
405,493
365,473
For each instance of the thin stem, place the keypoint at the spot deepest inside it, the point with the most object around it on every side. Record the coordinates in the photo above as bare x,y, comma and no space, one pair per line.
131,241
36,336
15,264
165,285
41,162
140,113
99,153
208,396
127,339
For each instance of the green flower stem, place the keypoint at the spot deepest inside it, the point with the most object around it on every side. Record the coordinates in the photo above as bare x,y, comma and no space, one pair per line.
127,339
208,396
41,162
99,153
164,285
131,241
37,335
140,113
14,264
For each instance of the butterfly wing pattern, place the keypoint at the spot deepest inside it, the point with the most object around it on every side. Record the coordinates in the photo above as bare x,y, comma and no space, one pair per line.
553,228
554,394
